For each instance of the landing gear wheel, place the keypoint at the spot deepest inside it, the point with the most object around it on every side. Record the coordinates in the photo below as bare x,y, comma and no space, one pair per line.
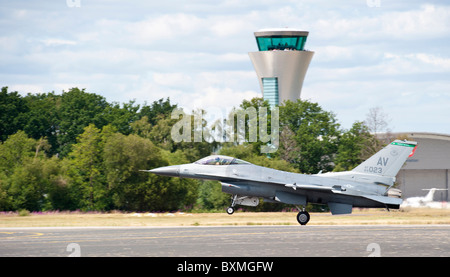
303,217
230,210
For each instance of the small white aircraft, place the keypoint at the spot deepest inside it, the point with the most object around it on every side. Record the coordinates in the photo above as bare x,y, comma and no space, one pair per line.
424,201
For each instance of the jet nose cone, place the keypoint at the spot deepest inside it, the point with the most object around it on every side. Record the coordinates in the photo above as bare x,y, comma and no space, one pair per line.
173,171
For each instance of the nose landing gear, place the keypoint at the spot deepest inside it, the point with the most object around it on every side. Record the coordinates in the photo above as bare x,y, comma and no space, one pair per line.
230,210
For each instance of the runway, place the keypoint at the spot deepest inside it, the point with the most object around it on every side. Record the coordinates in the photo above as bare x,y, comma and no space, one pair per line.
228,241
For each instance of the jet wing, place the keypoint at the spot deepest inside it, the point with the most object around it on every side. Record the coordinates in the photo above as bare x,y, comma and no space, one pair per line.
388,201
295,186
334,189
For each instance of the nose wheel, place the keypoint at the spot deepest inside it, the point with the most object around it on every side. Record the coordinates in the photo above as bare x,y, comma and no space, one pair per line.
230,210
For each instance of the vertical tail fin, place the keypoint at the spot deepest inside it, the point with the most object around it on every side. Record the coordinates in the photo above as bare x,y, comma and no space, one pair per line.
389,160
430,195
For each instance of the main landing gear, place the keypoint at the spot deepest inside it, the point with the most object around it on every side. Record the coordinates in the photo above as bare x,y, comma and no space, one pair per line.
303,216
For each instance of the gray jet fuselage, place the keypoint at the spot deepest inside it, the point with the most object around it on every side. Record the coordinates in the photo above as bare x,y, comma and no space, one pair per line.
259,181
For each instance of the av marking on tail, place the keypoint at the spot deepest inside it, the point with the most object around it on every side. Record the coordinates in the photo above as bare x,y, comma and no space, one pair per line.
382,161
389,160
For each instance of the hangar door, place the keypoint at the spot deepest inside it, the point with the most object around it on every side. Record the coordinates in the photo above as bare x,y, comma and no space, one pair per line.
412,181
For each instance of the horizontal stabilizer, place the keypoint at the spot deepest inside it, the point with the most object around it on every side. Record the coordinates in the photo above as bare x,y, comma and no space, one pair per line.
384,199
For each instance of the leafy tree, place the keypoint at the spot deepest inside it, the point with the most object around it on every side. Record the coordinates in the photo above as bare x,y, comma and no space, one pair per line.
61,118
60,194
121,117
77,151
354,147
15,151
141,127
5,198
86,170
316,133
157,108
43,118
160,133
13,110
25,177
245,152
211,197
194,147
255,104
289,148
77,110
28,186
124,156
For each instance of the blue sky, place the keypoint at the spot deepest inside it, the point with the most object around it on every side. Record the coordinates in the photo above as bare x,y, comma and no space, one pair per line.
368,53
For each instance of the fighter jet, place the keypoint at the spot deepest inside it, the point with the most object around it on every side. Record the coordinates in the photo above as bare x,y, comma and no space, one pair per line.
369,185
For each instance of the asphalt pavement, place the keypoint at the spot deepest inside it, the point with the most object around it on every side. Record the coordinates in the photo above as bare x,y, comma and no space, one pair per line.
228,241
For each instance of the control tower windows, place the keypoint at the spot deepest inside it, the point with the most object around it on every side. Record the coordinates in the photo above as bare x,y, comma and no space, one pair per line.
281,43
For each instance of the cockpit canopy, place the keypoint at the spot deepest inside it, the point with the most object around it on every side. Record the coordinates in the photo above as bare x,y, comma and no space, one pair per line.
220,160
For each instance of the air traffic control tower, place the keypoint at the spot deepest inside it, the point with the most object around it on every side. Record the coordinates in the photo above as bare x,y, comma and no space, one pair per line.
281,63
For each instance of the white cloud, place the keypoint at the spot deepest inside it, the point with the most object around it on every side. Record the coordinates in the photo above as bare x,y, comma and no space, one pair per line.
426,22
25,88
57,42
177,79
438,62
414,63
196,52
215,100
167,26
232,25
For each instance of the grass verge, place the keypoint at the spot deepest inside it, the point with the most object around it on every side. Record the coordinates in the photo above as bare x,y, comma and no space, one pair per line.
358,217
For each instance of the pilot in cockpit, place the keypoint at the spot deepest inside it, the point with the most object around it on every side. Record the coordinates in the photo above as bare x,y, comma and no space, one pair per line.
220,160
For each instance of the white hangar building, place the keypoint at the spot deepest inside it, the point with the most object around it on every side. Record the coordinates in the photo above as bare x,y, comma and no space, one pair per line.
428,168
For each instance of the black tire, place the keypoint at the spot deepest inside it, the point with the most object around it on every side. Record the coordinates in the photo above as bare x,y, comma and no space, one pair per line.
303,217
230,210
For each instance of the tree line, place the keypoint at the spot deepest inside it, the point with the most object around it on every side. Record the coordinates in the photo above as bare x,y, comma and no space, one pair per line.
77,151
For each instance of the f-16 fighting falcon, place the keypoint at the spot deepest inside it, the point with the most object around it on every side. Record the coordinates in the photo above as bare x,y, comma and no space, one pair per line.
369,185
